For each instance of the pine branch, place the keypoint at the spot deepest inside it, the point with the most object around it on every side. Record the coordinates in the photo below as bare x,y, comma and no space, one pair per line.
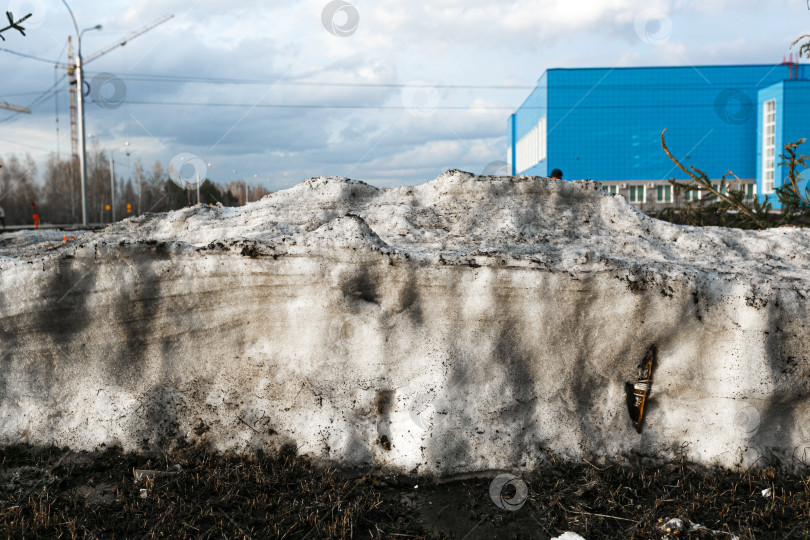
12,24
706,185
793,160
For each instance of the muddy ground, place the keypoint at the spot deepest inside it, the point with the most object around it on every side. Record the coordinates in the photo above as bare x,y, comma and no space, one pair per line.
195,493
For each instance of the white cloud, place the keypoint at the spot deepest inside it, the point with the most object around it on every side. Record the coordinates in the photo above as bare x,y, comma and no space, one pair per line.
397,42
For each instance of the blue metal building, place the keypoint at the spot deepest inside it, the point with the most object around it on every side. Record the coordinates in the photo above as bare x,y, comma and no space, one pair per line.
605,124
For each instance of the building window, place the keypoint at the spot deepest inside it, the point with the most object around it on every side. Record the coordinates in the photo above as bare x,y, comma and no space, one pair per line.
636,194
768,145
531,148
692,195
718,189
750,191
613,189
663,194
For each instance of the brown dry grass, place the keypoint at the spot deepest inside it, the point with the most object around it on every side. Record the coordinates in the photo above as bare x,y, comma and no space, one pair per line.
53,493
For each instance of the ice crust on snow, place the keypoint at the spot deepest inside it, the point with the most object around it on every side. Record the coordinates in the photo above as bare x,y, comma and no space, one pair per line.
466,324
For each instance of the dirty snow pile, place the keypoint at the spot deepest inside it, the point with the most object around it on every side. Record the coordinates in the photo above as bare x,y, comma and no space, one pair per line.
467,324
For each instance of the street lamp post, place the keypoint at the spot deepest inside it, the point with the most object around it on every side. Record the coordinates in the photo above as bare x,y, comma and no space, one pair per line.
112,180
112,186
255,178
80,109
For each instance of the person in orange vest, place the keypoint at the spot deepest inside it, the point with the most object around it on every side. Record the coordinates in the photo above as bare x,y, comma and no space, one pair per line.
36,215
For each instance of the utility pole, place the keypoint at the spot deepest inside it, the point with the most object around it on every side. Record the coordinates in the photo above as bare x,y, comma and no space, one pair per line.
112,185
80,113
80,109
80,93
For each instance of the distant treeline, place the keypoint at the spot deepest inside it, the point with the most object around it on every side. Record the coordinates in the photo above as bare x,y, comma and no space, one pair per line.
57,192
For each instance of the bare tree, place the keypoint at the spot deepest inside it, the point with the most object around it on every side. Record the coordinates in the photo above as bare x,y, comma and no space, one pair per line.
18,189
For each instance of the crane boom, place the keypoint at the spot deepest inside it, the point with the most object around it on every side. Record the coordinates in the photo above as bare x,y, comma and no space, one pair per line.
15,108
123,41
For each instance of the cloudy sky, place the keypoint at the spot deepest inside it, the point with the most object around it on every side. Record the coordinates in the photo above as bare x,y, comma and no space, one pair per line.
387,91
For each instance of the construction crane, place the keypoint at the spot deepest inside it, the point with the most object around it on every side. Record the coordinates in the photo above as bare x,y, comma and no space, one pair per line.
123,41
15,108
73,99
72,86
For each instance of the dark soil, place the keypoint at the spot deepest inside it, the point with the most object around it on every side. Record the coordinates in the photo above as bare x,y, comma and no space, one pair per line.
53,493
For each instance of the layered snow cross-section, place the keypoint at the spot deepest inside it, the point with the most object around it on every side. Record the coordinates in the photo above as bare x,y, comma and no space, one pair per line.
467,324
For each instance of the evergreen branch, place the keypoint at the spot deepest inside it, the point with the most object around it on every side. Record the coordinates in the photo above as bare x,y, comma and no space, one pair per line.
12,24
793,160
706,185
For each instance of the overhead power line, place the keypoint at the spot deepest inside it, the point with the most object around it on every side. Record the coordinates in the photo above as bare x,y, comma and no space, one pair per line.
42,95
180,79
404,107
15,94
38,100
303,105
183,79
350,106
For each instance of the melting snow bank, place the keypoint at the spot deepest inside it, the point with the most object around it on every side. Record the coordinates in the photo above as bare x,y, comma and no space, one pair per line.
467,324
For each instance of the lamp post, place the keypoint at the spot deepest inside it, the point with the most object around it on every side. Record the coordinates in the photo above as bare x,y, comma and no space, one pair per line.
237,180
80,109
112,186
255,177
112,181
198,185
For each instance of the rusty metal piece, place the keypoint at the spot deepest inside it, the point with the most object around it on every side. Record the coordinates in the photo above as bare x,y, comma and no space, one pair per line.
638,393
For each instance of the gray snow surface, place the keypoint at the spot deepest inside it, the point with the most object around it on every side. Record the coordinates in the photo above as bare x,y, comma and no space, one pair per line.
470,323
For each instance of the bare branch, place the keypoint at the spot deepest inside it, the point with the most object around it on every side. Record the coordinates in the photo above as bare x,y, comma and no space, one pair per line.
704,181
804,49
